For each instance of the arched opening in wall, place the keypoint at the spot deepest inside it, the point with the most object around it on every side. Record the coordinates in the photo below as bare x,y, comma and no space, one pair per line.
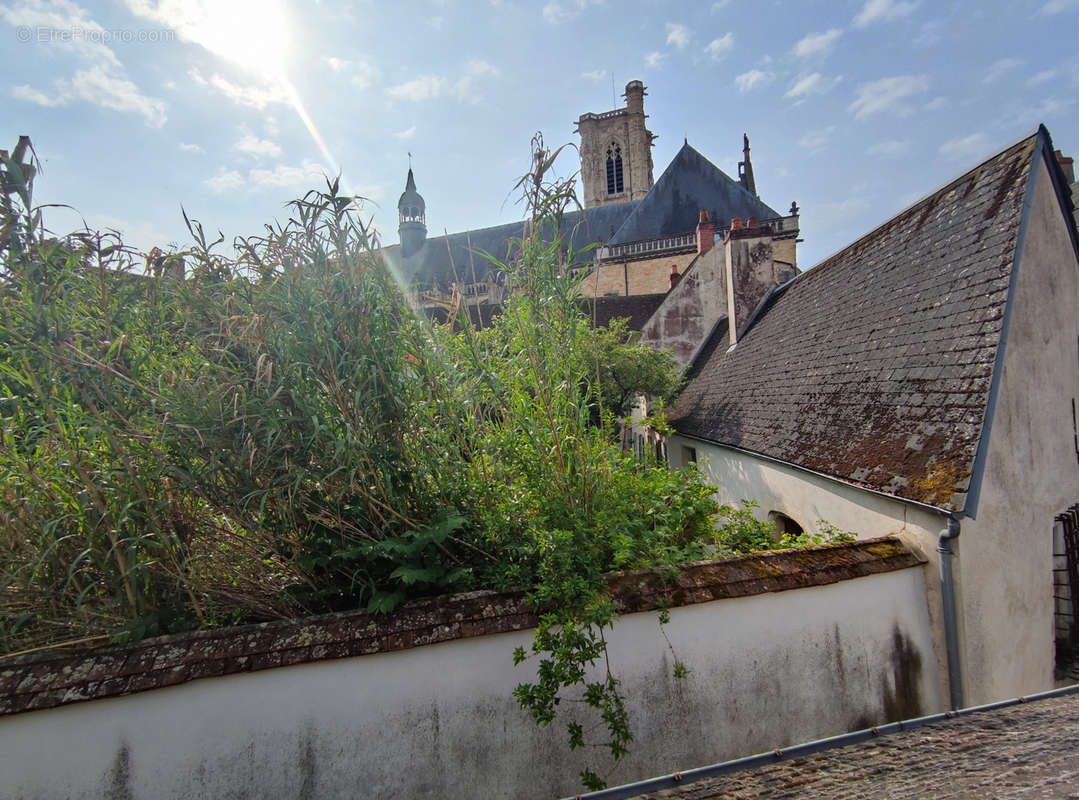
785,526
615,183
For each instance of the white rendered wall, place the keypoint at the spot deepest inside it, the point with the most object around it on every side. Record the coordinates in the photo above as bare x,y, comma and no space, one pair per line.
808,498
1031,469
439,721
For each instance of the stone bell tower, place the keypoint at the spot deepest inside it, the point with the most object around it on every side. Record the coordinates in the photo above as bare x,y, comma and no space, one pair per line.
412,214
616,152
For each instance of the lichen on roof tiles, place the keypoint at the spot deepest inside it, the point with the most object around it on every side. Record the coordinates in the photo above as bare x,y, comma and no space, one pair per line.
875,365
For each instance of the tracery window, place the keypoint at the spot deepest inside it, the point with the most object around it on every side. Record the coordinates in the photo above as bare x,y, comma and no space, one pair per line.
615,183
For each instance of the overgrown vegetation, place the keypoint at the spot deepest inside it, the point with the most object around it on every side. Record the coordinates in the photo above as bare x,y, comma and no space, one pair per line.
201,438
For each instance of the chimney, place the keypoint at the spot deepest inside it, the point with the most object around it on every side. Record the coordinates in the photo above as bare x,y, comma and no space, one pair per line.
675,277
1066,164
751,272
706,233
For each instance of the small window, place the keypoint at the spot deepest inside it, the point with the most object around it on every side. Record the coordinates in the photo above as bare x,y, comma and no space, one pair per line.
785,526
615,184
689,455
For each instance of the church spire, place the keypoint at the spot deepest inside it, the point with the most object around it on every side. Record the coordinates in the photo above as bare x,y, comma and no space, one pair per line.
745,168
412,214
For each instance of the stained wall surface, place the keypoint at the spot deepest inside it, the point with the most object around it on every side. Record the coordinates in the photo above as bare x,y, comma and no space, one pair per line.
439,720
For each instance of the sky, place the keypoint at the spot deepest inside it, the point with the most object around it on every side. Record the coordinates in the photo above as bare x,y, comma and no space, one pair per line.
855,108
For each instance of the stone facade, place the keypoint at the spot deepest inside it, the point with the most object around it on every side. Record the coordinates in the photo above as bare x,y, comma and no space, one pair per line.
650,276
621,138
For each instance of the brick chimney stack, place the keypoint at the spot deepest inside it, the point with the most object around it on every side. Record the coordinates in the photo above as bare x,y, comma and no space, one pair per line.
675,277
1067,164
706,233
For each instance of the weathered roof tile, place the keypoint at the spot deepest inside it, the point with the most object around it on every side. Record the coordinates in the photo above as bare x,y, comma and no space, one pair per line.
876,363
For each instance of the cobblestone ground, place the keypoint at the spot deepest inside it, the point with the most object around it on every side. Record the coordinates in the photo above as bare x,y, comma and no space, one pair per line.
1024,751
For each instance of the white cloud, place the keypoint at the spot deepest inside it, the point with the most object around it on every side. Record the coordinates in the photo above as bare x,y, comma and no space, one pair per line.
259,148
719,5
817,43
362,73
678,35
815,140
288,177
717,48
1000,68
594,75
257,97
103,83
1044,76
891,148
888,94
557,13
477,66
32,95
100,87
654,59
191,148
814,83
1059,6
429,87
63,16
225,181
937,103
282,176
931,33
425,87
965,148
883,11
405,135
752,79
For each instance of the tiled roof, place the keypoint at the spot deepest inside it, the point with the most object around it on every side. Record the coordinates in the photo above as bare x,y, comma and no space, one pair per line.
875,366
37,681
673,204
1022,750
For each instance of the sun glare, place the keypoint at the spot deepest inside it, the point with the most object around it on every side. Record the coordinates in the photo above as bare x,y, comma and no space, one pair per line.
253,34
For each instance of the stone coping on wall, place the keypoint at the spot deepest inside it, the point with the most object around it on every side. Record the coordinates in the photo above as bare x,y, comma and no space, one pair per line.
35,681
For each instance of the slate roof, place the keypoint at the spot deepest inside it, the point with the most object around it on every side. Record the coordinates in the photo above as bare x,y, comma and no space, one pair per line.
690,182
673,204
441,256
875,366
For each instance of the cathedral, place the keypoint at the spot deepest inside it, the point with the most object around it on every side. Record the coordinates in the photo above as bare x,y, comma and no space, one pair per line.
647,232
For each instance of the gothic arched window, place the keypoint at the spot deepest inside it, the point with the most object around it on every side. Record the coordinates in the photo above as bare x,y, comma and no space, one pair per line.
614,169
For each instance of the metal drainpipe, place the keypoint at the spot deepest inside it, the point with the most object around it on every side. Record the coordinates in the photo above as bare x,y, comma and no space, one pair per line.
951,631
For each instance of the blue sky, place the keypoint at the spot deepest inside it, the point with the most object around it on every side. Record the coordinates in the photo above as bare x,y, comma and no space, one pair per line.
855,108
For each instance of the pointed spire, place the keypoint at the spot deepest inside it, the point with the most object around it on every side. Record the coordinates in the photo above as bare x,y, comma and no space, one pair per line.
745,168
412,213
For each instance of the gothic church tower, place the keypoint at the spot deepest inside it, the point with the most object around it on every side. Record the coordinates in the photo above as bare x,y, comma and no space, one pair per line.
616,152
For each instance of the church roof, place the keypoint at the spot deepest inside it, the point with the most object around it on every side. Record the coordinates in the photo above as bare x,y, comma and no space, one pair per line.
875,366
457,253
690,182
